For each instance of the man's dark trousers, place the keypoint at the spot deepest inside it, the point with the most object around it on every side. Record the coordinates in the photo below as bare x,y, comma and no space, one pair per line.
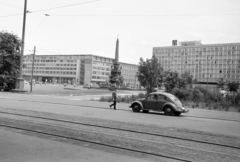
114,104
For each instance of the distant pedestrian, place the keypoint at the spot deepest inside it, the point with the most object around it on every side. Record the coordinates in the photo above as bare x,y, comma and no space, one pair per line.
114,99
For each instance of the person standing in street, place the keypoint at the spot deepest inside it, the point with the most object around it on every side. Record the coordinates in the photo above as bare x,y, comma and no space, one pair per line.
114,99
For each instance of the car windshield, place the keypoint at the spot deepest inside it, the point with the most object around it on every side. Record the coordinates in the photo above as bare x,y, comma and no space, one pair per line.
175,100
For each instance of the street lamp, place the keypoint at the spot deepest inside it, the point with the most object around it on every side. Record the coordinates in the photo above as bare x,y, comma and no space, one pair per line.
32,67
20,81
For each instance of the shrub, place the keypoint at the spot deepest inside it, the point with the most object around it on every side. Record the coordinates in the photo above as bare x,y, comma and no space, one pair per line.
224,103
141,95
196,95
182,94
105,98
7,82
237,99
201,89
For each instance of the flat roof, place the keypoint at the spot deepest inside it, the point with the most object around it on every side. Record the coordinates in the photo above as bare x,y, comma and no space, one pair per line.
202,45
80,55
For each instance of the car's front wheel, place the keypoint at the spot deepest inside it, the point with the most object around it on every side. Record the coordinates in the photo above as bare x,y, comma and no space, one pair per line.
168,111
145,111
136,108
177,113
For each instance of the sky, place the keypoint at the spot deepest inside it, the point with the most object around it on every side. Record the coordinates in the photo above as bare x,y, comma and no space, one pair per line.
93,26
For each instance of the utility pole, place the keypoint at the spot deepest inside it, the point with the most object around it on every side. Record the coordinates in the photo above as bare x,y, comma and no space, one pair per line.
20,80
207,71
32,67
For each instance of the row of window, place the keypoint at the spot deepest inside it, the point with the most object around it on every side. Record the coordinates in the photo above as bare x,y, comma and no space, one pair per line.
197,57
99,77
237,60
198,53
51,68
97,58
30,60
198,49
215,71
203,67
30,64
107,64
101,63
50,72
213,76
66,64
101,68
101,73
215,63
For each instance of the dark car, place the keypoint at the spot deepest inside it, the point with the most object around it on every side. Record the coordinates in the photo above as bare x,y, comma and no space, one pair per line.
159,101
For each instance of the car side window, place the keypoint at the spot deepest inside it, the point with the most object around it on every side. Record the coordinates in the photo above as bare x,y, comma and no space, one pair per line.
161,98
151,97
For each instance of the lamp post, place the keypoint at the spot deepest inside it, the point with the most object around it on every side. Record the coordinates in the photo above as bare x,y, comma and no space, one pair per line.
32,67
20,81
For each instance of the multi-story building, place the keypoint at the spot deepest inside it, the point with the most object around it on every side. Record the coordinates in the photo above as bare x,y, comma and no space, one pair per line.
76,69
207,63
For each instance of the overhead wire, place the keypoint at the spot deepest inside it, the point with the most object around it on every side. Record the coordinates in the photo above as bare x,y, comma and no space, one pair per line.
38,26
47,8
11,15
65,6
45,50
128,15
11,5
160,15
163,15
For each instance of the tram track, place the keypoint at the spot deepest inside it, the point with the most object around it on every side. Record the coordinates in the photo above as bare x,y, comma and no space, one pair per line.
57,127
122,129
99,107
97,143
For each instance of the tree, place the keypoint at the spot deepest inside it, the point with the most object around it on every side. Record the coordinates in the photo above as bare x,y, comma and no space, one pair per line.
221,83
149,74
171,80
184,80
233,87
197,95
9,58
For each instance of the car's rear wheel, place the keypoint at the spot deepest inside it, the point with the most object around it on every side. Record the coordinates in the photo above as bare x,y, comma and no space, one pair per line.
136,108
145,111
177,113
168,111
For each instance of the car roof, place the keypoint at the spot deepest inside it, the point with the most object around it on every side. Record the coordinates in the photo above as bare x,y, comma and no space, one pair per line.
163,93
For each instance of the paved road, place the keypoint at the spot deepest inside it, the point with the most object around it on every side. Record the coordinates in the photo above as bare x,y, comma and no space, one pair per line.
227,123
198,119
20,147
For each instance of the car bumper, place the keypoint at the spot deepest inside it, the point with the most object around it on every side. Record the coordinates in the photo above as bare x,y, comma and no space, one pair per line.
183,110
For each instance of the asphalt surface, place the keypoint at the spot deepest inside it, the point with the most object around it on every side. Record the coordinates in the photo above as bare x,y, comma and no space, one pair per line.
221,122
23,147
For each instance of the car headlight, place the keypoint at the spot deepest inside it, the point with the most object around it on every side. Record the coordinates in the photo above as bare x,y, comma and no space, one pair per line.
179,108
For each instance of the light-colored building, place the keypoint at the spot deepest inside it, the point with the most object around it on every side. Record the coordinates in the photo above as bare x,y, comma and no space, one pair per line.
76,69
206,62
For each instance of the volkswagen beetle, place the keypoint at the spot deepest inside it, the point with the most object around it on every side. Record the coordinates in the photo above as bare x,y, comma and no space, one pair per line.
159,101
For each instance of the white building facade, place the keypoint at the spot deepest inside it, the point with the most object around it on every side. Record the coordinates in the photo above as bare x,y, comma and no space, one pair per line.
76,69
207,63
